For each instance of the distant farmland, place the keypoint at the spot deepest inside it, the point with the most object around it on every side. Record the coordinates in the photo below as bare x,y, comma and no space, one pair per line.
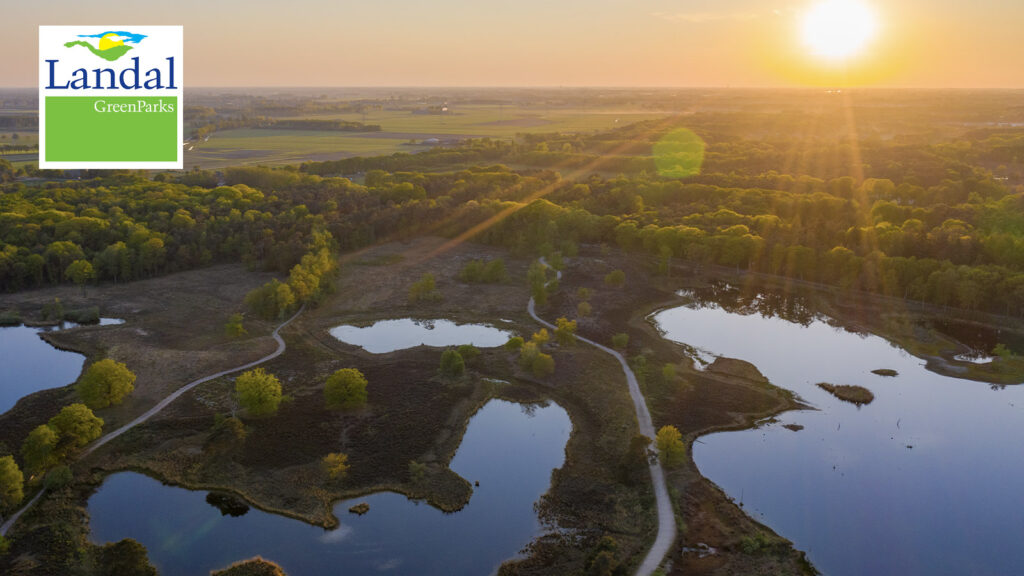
399,128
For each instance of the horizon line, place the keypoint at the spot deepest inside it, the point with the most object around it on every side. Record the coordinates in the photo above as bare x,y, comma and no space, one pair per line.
582,87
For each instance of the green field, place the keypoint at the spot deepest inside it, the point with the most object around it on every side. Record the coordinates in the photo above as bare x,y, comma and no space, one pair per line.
30,138
398,128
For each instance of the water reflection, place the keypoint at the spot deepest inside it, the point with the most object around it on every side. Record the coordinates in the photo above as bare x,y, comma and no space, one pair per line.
29,364
390,335
921,481
510,449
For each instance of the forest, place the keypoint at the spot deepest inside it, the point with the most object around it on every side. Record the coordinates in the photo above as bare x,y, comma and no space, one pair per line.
934,215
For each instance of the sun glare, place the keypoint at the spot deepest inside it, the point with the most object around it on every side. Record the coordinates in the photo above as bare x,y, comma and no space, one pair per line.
838,29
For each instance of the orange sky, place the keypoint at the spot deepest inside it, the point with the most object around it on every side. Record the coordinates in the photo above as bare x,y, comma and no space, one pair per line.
922,43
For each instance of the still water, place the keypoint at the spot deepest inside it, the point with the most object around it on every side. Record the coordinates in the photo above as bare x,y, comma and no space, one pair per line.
509,448
390,335
924,480
29,364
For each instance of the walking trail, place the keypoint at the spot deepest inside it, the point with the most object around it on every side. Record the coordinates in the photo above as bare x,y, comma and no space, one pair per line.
666,518
156,409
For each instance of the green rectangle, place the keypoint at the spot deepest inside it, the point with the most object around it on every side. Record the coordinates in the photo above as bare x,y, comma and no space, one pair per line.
112,129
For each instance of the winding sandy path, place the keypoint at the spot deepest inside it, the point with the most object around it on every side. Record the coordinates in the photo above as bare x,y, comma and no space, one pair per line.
9,522
666,519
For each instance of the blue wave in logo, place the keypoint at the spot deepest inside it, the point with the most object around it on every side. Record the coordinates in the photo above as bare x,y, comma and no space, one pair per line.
129,37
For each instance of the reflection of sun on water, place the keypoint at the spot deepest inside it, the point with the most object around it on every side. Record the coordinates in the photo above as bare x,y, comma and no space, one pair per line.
838,29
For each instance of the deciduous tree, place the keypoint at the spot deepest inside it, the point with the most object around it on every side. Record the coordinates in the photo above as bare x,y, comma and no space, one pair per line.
258,392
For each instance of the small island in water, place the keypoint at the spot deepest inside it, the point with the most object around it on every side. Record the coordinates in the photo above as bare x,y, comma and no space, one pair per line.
853,394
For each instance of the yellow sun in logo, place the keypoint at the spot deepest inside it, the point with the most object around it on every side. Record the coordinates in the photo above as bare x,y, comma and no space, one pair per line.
110,41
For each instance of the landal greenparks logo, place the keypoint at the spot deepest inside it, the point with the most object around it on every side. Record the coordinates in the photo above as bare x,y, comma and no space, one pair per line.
110,97
110,46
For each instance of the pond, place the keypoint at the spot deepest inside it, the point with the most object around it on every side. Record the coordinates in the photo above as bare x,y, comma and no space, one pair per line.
924,480
390,335
511,449
30,364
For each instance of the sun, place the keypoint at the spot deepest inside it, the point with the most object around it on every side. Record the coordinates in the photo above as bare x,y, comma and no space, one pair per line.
838,29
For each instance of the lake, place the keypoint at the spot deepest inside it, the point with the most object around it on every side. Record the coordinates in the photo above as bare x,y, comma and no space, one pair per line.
390,335
31,364
924,480
511,449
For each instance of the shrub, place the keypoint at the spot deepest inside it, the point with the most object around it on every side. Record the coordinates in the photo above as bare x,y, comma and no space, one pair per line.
615,278
58,477
272,300
452,363
478,271
417,471
565,332
12,483
532,359
39,450
346,388
514,343
90,315
234,328
336,465
670,445
10,318
424,289
584,309
468,352
494,271
620,341
123,558
541,338
668,373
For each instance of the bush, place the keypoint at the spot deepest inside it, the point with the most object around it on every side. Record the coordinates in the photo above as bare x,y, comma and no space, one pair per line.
584,309
565,332
75,426
479,271
271,301
336,465
620,341
105,383
234,328
123,558
53,310
417,471
615,279
425,289
39,450
258,392
12,483
89,315
346,388
59,477
514,343
452,363
668,373
10,318
670,445
537,362
541,337
468,352
494,271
